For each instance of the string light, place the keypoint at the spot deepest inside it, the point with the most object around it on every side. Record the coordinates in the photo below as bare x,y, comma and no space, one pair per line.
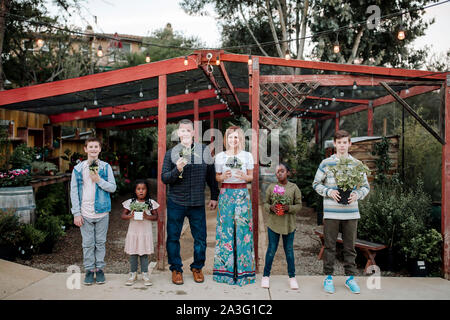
186,91
401,35
334,99
186,61
124,117
250,60
217,61
341,93
287,55
85,109
354,85
147,58
209,86
141,94
99,51
40,43
113,115
99,112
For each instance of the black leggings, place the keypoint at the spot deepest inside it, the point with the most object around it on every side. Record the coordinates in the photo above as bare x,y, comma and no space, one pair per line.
134,262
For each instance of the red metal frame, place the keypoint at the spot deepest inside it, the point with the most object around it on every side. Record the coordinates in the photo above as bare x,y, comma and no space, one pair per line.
445,195
161,187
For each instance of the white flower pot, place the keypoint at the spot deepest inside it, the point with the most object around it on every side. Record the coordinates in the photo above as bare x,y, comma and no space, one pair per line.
138,215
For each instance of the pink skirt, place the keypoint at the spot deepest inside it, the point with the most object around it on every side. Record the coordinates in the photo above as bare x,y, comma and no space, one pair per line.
139,239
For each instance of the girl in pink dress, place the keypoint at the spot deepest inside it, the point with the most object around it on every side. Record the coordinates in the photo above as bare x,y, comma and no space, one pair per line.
139,239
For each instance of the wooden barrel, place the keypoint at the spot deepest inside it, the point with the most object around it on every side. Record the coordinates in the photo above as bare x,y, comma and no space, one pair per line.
21,199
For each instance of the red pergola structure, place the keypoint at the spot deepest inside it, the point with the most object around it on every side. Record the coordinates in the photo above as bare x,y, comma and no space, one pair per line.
203,87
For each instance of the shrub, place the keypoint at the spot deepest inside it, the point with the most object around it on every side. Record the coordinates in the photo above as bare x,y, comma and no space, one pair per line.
31,239
394,215
10,231
425,246
52,228
22,157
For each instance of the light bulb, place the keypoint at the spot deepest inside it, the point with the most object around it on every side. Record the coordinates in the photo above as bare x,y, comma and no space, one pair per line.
100,51
287,56
341,93
95,102
124,117
401,35
142,117
132,117
147,58
326,103
250,61
354,85
99,112
334,99
113,115
407,91
209,86
85,109
336,48
186,61
40,43
186,91
141,94
217,61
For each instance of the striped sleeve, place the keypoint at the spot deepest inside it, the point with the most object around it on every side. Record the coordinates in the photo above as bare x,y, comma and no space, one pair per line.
318,183
363,191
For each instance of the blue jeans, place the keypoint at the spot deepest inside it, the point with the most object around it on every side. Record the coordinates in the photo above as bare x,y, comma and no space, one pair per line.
197,223
93,234
288,245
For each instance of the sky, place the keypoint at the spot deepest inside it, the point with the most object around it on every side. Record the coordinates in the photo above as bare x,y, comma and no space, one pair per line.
142,17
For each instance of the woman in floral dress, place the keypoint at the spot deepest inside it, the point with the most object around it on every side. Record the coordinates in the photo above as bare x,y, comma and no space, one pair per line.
234,259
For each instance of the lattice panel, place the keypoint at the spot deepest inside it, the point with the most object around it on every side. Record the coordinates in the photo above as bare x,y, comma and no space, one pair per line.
279,100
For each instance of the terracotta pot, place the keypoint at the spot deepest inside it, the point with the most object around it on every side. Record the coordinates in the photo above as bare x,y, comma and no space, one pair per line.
279,209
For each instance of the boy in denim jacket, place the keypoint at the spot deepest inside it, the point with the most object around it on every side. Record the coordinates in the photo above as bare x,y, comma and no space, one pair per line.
90,187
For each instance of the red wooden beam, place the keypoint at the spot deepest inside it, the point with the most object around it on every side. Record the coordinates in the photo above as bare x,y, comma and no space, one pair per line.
161,187
254,102
229,84
336,122
372,70
196,124
92,113
414,91
176,114
445,193
98,80
370,120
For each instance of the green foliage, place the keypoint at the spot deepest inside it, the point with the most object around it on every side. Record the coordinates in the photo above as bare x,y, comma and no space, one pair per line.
52,200
10,231
22,156
349,174
52,228
43,168
394,215
74,157
426,246
383,162
138,206
31,238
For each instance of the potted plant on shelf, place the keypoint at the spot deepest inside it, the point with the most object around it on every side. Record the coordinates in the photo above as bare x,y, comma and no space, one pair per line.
279,199
22,157
349,174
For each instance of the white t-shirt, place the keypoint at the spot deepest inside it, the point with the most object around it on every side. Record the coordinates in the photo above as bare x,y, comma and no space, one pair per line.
242,161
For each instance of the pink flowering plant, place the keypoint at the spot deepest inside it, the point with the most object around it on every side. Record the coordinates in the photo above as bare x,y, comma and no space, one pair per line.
15,178
279,199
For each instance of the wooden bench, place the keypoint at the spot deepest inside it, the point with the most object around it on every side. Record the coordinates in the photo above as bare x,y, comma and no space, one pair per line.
369,249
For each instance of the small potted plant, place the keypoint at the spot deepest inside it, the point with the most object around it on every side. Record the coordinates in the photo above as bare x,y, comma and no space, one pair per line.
185,153
349,174
234,164
93,166
139,208
279,199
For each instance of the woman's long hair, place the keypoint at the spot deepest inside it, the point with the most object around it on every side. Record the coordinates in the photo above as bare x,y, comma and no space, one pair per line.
241,136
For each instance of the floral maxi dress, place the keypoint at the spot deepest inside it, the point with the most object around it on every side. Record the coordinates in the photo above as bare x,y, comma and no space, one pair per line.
234,259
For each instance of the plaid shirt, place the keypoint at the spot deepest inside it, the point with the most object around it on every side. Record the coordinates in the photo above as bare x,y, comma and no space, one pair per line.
190,189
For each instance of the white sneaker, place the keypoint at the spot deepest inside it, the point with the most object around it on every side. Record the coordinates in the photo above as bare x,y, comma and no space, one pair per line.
293,283
132,279
265,282
146,279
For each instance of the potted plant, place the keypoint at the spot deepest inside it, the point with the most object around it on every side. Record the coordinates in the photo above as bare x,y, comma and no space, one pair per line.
22,157
185,153
279,199
234,164
31,239
53,230
93,166
139,208
424,250
9,234
349,174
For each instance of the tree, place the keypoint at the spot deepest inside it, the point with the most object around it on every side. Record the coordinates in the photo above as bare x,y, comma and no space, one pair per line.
264,20
24,61
360,44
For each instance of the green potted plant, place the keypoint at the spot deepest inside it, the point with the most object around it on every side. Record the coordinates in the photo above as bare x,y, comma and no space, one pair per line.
10,234
349,174
31,239
423,251
279,199
22,157
139,208
53,230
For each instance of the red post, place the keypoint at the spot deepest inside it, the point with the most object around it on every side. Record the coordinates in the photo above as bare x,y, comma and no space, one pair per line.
370,119
254,103
445,213
196,123
161,187
336,122
316,131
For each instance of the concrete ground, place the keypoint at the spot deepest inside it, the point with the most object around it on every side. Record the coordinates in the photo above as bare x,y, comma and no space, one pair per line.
18,282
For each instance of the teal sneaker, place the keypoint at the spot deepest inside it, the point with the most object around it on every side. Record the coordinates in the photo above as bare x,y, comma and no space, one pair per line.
352,285
99,277
328,285
89,278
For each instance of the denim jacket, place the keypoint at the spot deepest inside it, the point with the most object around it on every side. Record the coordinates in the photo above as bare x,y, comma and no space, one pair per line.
103,188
